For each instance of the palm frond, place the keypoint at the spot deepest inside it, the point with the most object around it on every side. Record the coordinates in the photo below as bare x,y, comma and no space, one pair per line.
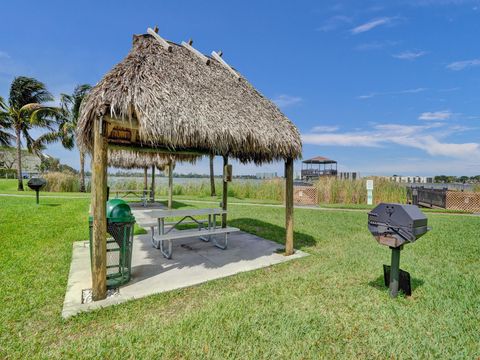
71,103
3,105
25,90
28,139
6,138
5,124
45,116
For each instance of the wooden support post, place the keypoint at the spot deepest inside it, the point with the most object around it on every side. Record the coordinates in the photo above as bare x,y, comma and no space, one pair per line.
152,187
170,184
145,178
212,177
99,198
225,191
289,207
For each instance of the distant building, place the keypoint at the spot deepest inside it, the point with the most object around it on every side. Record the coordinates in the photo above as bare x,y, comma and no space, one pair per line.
30,162
412,179
266,175
348,175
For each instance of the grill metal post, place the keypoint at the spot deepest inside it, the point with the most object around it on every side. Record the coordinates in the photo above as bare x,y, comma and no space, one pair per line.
37,191
395,271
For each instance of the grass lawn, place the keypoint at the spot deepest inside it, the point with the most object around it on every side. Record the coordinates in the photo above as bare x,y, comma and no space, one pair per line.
331,304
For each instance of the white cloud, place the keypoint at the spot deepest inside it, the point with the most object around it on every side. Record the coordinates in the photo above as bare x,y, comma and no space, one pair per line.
449,89
375,45
334,23
346,139
325,128
435,115
460,65
423,137
371,25
439,2
409,55
401,92
420,167
412,91
284,101
367,96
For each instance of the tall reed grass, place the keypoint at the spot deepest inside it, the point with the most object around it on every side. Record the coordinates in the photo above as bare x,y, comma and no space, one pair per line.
261,190
61,182
335,191
330,190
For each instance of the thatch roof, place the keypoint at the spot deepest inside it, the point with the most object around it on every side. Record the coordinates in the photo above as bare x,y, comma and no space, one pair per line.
179,102
127,159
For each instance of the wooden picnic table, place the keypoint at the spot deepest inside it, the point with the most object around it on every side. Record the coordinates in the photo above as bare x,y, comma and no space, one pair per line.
141,194
205,234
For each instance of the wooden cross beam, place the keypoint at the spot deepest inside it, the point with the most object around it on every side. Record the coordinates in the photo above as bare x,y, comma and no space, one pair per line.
195,51
161,40
218,57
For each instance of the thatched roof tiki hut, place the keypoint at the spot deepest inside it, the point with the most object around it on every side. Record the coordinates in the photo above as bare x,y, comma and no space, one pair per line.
133,160
127,159
171,99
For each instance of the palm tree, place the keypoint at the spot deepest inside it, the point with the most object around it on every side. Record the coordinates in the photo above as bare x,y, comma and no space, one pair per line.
70,105
25,111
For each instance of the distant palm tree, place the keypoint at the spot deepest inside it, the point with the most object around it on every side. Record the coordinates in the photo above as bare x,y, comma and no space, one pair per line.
5,136
70,105
26,110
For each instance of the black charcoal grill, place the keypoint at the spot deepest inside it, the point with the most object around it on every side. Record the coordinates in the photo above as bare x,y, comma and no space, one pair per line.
37,184
395,225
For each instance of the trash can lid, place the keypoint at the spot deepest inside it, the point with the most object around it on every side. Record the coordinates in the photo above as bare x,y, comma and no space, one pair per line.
119,211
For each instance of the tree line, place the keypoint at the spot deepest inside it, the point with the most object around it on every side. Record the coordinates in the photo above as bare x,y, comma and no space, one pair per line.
456,179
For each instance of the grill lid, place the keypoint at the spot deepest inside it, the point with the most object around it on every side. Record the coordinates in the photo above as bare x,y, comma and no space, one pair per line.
395,224
36,183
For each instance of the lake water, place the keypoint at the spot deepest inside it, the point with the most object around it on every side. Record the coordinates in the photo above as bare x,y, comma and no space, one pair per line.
163,181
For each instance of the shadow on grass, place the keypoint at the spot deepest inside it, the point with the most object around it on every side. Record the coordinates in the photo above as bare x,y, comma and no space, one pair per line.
271,232
178,204
175,204
379,283
52,205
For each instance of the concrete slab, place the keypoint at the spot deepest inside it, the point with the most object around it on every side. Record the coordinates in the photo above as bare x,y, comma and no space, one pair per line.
193,262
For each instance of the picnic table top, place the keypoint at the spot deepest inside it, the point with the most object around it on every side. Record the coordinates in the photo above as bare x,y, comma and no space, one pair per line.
185,212
128,191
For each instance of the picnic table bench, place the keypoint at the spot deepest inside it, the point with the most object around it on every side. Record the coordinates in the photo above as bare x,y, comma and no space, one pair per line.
205,231
143,195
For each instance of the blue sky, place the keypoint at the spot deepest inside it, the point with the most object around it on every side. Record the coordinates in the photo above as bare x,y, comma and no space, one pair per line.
382,87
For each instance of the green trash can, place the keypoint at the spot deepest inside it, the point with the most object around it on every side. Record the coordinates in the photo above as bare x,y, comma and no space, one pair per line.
120,226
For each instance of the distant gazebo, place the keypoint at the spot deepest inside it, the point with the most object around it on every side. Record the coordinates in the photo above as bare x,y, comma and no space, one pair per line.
318,166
